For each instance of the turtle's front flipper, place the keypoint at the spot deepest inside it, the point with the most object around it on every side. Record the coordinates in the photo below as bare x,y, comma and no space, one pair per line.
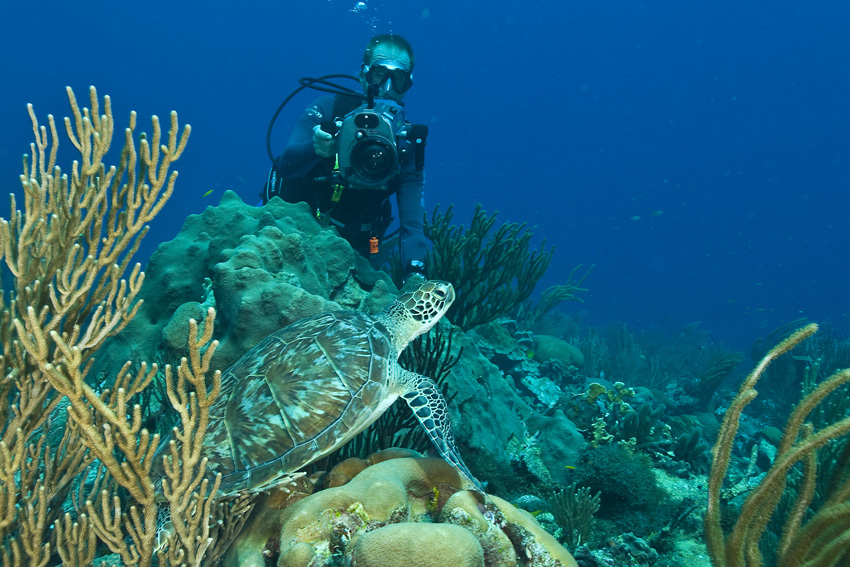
429,407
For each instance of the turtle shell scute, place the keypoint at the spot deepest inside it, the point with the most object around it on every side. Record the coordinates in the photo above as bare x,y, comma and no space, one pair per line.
297,395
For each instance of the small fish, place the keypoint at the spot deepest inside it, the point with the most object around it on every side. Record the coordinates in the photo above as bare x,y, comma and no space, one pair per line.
572,468
529,353
535,513
635,218
208,192
657,213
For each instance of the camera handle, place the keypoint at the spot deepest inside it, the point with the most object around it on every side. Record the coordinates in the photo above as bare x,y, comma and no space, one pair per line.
337,182
330,126
418,135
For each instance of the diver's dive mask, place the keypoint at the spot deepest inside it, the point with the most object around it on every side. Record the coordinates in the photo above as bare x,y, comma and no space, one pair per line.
389,75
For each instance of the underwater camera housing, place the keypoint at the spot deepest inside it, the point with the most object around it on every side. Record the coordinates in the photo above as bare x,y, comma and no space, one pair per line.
369,144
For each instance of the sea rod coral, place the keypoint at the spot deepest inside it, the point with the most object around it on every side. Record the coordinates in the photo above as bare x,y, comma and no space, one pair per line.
68,287
814,536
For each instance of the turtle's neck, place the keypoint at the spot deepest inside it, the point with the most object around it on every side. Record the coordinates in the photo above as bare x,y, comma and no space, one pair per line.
399,325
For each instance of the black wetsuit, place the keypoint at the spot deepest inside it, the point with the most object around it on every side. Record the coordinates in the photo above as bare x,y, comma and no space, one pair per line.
299,174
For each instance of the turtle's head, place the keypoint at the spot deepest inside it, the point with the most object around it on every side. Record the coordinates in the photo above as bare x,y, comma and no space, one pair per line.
415,312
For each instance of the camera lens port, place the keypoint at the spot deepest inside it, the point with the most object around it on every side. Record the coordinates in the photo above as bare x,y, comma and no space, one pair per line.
373,161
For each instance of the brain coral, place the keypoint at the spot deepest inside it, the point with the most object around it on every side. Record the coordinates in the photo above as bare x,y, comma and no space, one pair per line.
424,545
395,510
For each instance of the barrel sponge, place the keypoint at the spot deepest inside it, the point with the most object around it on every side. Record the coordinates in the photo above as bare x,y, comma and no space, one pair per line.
424,545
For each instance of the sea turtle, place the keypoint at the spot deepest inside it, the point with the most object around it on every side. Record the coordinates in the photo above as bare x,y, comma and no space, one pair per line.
309,388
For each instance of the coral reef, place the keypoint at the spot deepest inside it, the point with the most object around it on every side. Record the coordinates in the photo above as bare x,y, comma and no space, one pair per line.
398,512
263,267
492,411
718,367
583,428
537,379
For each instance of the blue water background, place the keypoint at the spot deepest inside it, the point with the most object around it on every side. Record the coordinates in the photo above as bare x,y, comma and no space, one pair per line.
696,152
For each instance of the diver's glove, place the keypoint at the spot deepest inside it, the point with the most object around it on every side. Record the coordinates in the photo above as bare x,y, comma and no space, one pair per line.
324,144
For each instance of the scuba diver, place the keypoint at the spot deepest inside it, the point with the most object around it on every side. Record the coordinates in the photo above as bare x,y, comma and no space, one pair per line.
349,153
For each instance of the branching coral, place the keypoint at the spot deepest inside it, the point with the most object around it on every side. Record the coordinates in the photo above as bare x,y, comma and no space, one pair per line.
573,509
68,254
491,273
718,367
529,314
815,538
202,527
643,426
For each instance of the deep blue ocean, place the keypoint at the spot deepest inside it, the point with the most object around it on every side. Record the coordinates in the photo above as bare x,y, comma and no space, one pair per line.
698,153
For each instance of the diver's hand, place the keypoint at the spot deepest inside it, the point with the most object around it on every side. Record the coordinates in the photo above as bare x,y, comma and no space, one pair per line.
324,144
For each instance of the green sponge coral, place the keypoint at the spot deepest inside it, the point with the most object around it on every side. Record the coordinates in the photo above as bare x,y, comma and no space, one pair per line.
624,477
